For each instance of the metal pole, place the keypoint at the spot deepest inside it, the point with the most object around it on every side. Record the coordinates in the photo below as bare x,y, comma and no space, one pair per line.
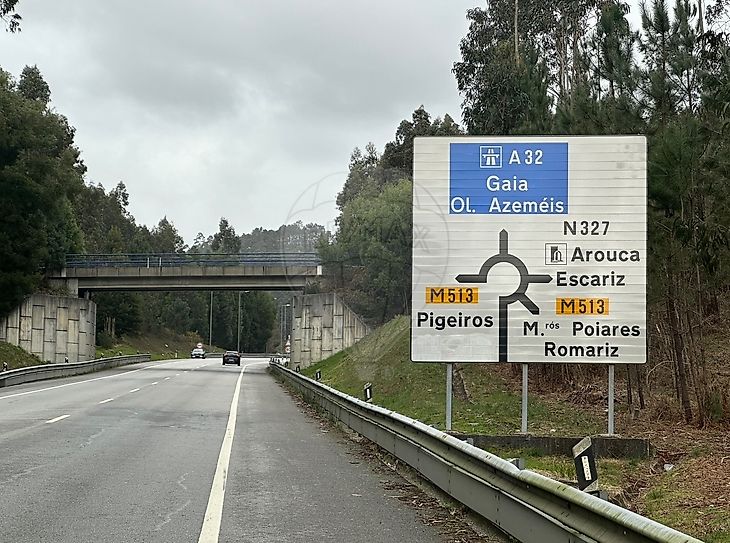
210,328
524,398
286,323
611,392
239,323
449,393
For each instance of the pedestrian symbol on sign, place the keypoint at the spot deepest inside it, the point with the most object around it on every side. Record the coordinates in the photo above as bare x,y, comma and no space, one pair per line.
490,156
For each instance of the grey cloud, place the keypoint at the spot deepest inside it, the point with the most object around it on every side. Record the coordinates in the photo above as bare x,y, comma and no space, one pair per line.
237,108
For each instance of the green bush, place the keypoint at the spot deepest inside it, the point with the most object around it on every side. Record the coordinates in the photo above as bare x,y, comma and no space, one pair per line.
104,340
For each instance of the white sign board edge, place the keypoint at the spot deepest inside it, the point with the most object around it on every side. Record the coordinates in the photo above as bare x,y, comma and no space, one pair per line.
591,231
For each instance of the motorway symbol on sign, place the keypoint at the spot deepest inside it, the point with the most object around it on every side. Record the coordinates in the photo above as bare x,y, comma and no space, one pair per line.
490,156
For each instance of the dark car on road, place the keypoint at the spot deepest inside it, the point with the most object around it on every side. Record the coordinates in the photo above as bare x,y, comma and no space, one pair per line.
231,357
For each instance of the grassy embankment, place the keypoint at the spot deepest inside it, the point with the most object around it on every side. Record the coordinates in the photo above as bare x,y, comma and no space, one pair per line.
693,496
161,346
16,357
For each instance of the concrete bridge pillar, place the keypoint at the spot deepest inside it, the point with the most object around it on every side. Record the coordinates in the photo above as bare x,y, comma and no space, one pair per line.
323,325
53,328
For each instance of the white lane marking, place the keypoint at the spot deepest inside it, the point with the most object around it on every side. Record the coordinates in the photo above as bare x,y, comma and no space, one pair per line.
156,382
166,378
86,381
214,511
177,375
106,401
133,390
57,419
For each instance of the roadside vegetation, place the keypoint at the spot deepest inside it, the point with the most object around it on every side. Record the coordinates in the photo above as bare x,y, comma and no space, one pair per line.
684,484
16,357
51,209
573,68
484,402
160,346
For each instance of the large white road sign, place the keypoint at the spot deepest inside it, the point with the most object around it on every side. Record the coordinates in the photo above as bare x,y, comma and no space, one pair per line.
529,249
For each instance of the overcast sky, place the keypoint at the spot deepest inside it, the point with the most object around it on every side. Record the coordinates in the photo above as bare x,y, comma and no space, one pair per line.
242,109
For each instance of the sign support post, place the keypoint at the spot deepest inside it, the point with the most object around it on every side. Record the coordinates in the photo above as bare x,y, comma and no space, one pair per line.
611,393
449,393
523,428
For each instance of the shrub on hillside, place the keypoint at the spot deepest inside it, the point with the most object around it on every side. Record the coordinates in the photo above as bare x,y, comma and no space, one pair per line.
104,340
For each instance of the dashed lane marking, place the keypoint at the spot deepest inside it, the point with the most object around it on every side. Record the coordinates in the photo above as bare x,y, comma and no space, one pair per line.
57,419
84,381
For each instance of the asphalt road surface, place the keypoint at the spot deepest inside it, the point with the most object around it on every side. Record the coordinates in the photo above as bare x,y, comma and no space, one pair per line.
184,450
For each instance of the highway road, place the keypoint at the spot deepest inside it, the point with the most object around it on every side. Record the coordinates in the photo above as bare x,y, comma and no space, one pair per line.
184,450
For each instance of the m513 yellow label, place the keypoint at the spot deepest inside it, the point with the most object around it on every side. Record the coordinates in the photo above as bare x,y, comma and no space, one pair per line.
452,295
581,306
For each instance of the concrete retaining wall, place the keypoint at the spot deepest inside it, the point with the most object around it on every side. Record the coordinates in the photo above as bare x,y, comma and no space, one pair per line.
322,326
53,328
605,446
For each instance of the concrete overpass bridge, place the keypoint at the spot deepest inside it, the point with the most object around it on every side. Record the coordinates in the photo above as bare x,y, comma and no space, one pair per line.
182,271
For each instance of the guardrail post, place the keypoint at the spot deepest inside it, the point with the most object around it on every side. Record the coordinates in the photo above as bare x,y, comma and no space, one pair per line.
523,426
449,393
611,393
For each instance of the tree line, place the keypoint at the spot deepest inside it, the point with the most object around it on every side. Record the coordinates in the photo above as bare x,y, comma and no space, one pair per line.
571,68
526,67
48,210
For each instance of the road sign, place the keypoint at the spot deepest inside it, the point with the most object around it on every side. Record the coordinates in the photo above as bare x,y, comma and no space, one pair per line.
529,249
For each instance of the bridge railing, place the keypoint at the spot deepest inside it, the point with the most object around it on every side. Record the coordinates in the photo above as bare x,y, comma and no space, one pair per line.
168,260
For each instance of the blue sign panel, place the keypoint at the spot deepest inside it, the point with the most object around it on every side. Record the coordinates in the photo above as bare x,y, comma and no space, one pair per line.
508,178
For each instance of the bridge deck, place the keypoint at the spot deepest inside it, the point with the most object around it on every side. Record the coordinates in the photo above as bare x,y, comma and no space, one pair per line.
248,271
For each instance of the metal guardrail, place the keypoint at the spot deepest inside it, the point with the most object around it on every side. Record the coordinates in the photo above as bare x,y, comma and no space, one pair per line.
51,371
168,260
270,356
524,504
